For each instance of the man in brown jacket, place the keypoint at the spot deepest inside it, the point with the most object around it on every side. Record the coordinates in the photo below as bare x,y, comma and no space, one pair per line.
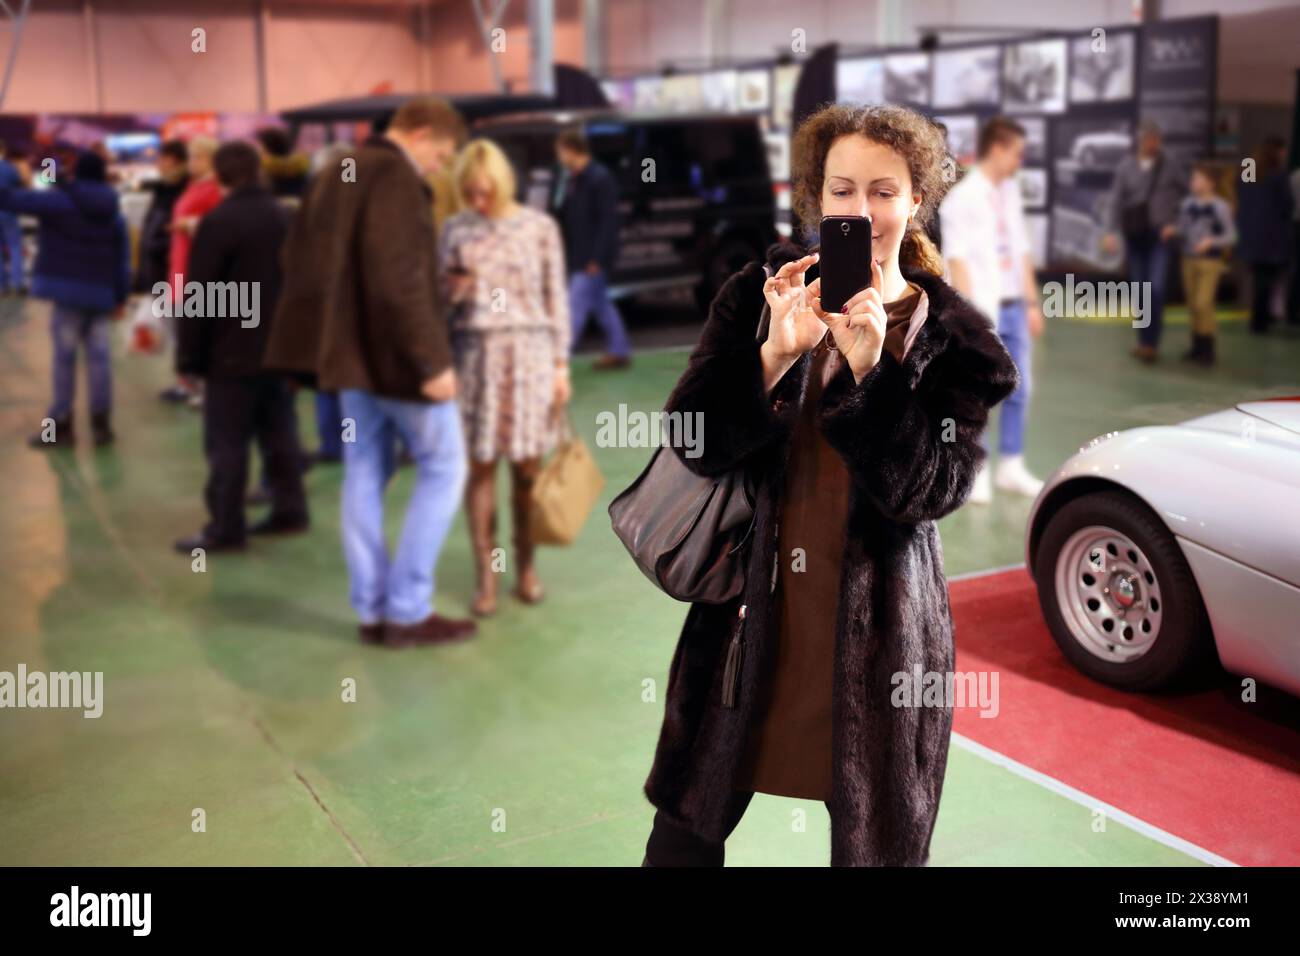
359,313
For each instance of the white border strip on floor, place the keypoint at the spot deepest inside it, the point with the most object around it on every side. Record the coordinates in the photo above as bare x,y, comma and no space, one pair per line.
1092,803
1070,793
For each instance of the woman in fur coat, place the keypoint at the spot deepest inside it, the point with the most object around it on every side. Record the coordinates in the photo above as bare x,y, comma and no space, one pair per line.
829,678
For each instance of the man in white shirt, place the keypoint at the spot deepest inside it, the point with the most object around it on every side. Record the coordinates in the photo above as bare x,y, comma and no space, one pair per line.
986,244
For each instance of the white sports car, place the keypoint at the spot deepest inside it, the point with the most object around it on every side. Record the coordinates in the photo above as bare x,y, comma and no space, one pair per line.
1157,548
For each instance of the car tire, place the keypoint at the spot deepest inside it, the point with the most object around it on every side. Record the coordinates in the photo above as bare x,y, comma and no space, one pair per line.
1163,640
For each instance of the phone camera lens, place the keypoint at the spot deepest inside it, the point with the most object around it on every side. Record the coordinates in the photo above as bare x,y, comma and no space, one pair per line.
844,228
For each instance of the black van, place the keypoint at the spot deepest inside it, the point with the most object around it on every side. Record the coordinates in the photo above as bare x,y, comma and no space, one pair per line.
702,210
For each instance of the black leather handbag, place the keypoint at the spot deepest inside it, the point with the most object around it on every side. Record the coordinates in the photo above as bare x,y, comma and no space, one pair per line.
687,532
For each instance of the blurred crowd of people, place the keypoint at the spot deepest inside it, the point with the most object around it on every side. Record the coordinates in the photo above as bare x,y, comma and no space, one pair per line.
434,316
1158,208
432,313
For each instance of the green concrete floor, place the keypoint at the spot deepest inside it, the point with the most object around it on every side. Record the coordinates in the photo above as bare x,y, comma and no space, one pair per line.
528,745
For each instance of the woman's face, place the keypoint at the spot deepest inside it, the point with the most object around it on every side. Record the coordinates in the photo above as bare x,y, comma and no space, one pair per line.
480,194
866,178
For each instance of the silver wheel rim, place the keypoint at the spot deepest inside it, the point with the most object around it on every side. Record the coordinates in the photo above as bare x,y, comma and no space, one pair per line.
1108,594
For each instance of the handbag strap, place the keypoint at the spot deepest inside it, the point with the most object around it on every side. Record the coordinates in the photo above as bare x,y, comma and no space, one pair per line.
567,431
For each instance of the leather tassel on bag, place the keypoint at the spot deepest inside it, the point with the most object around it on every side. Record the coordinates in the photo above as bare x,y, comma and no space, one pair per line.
735,654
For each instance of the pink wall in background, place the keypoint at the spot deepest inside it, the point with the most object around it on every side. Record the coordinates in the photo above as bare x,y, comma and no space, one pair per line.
142,59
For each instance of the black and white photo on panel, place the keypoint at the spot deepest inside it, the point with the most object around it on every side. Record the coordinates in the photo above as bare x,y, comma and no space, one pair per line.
1033,76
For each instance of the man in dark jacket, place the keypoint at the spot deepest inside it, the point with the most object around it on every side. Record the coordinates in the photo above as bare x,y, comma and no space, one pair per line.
11,233
360,313
1143,206
82,266
155,230
229,300
588,214
156,233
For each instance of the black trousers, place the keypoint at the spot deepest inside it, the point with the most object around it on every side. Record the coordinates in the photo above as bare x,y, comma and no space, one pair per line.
236,411
670,845
1264,276
1293,291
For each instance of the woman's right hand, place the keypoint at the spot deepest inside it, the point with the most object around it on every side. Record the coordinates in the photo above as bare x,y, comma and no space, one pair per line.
795,326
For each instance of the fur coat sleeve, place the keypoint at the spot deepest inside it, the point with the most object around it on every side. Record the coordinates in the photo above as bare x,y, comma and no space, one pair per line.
723,382
915,448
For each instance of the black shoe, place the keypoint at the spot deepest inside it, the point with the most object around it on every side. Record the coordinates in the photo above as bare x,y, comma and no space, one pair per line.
103,431
371,633
1207,351
174,395
201,540
1197,350
62,437
280,524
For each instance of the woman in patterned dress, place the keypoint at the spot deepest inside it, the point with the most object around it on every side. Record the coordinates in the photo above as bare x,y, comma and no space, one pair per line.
502,265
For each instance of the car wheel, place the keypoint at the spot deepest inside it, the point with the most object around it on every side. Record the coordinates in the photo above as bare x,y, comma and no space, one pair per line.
728,258
1119,597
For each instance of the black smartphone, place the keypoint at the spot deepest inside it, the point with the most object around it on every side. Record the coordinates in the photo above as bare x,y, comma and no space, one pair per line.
845,259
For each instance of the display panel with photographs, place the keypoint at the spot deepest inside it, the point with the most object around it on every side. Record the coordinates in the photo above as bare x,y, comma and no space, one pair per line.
907,79
963,133
621,93
1178,71
778,155
860,81
1164,70
967,77
1103,66
754,90
649,94
1033,77
1076,229
784,80
1089,150
1035,139
1033,187
718,91
1036,226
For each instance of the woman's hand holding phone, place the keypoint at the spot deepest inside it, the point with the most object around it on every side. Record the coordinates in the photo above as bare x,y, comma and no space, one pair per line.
860,329
794,327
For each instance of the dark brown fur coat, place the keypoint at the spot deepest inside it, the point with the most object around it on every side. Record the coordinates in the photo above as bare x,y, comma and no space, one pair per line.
910,435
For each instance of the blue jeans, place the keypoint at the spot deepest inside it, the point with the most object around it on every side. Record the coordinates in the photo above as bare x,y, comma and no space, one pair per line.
588,294
1148,261
71,328
11,234
328,424
1013,328
400,592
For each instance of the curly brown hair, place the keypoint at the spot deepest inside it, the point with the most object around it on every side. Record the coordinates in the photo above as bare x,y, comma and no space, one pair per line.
916,138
